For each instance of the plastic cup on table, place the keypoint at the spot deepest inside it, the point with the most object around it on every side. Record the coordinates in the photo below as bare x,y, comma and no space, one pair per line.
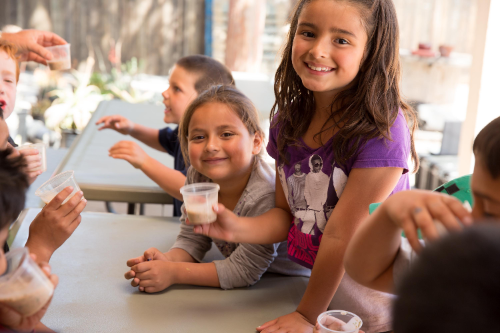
61,57
24,286
56,184
336,321
41,147
199,199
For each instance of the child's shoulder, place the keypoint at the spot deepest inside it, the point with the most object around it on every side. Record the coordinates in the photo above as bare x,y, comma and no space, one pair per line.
262,180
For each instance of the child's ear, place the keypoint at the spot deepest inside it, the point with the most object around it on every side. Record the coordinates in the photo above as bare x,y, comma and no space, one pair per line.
258,141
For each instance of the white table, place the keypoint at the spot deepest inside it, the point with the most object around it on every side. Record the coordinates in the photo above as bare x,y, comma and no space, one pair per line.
93,295
103,178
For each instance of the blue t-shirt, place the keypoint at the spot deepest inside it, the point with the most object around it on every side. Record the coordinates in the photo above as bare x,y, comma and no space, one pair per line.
169,139
313,182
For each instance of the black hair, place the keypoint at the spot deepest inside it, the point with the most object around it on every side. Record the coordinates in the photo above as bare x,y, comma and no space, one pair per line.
13,186
487,146
454,286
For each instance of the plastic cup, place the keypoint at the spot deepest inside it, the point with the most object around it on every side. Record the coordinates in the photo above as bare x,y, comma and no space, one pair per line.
24,286
199,199
56,184
336,321
41,150
61,57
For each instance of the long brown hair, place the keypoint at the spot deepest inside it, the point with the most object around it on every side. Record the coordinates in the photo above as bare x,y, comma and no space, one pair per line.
228,95
367,108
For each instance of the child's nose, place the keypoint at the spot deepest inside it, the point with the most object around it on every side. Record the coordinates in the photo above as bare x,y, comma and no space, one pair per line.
212,145
319,49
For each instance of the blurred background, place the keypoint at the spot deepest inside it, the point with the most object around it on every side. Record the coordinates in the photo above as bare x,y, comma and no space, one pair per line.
125,49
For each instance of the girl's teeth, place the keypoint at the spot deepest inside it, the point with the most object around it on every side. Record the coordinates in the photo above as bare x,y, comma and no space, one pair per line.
319,69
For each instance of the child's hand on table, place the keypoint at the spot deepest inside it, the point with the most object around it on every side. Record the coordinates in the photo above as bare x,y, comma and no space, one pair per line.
149,255
117,123
129,151
154,276
16,321
291,323
417,209
223,228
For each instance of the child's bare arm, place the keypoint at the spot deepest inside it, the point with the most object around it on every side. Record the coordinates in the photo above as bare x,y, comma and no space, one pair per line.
125,126
373,249
168,179
270,227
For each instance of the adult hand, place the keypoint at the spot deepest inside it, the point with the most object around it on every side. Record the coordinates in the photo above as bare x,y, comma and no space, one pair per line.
149,255
154,275
291,323
14,320
55,223
417,209
223,228
130,152
117,123
31,44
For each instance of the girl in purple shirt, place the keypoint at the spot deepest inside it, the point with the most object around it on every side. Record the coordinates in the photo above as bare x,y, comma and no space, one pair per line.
339,119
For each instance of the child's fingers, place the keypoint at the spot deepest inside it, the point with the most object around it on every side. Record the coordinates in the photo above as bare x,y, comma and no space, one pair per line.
30,153
142,267
266,325
149,254
442,213
141,288
129,275
59,198
135,261
425,223
459,210
135,282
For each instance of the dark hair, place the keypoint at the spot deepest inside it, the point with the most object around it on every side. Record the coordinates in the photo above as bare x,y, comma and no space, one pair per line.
368,108
13,185
210,72
228,95
487,146
454,286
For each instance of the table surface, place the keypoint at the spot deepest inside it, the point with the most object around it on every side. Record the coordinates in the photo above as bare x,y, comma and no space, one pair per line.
103,178
93,295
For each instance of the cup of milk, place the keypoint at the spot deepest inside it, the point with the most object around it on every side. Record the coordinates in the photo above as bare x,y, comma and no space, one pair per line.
41,150
199,198
336,321
61,57
24,286
56,184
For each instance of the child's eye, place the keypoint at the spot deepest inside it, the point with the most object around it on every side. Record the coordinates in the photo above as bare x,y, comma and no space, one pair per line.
227,135
341,41
197,137
307,34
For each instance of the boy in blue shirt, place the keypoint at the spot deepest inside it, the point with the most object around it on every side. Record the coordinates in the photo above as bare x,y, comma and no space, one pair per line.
189,77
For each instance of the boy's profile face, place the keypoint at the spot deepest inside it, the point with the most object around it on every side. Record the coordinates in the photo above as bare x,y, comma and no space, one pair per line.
486,192
7,84
179,94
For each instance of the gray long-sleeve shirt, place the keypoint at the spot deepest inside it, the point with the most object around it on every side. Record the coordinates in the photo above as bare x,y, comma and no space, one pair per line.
244,263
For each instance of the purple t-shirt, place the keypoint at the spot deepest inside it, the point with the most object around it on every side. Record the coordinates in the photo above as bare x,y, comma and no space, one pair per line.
313,183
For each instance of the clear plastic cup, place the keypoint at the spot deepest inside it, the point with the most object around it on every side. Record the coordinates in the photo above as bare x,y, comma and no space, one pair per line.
336,321
24,286
56,184
41,147
61,57
199,199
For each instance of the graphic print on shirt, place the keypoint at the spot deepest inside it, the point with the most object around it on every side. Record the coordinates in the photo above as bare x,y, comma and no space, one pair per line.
307,195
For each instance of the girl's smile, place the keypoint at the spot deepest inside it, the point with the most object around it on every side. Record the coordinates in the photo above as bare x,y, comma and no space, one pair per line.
328,46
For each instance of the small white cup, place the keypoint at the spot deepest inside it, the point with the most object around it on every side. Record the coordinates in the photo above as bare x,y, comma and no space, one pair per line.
61,57
338,321
41,147
199,199
56,184
24,286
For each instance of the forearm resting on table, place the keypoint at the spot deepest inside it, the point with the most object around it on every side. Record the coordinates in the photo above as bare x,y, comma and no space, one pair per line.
179,255
268,228
327,272
198,274
168,179
371,253
147,135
